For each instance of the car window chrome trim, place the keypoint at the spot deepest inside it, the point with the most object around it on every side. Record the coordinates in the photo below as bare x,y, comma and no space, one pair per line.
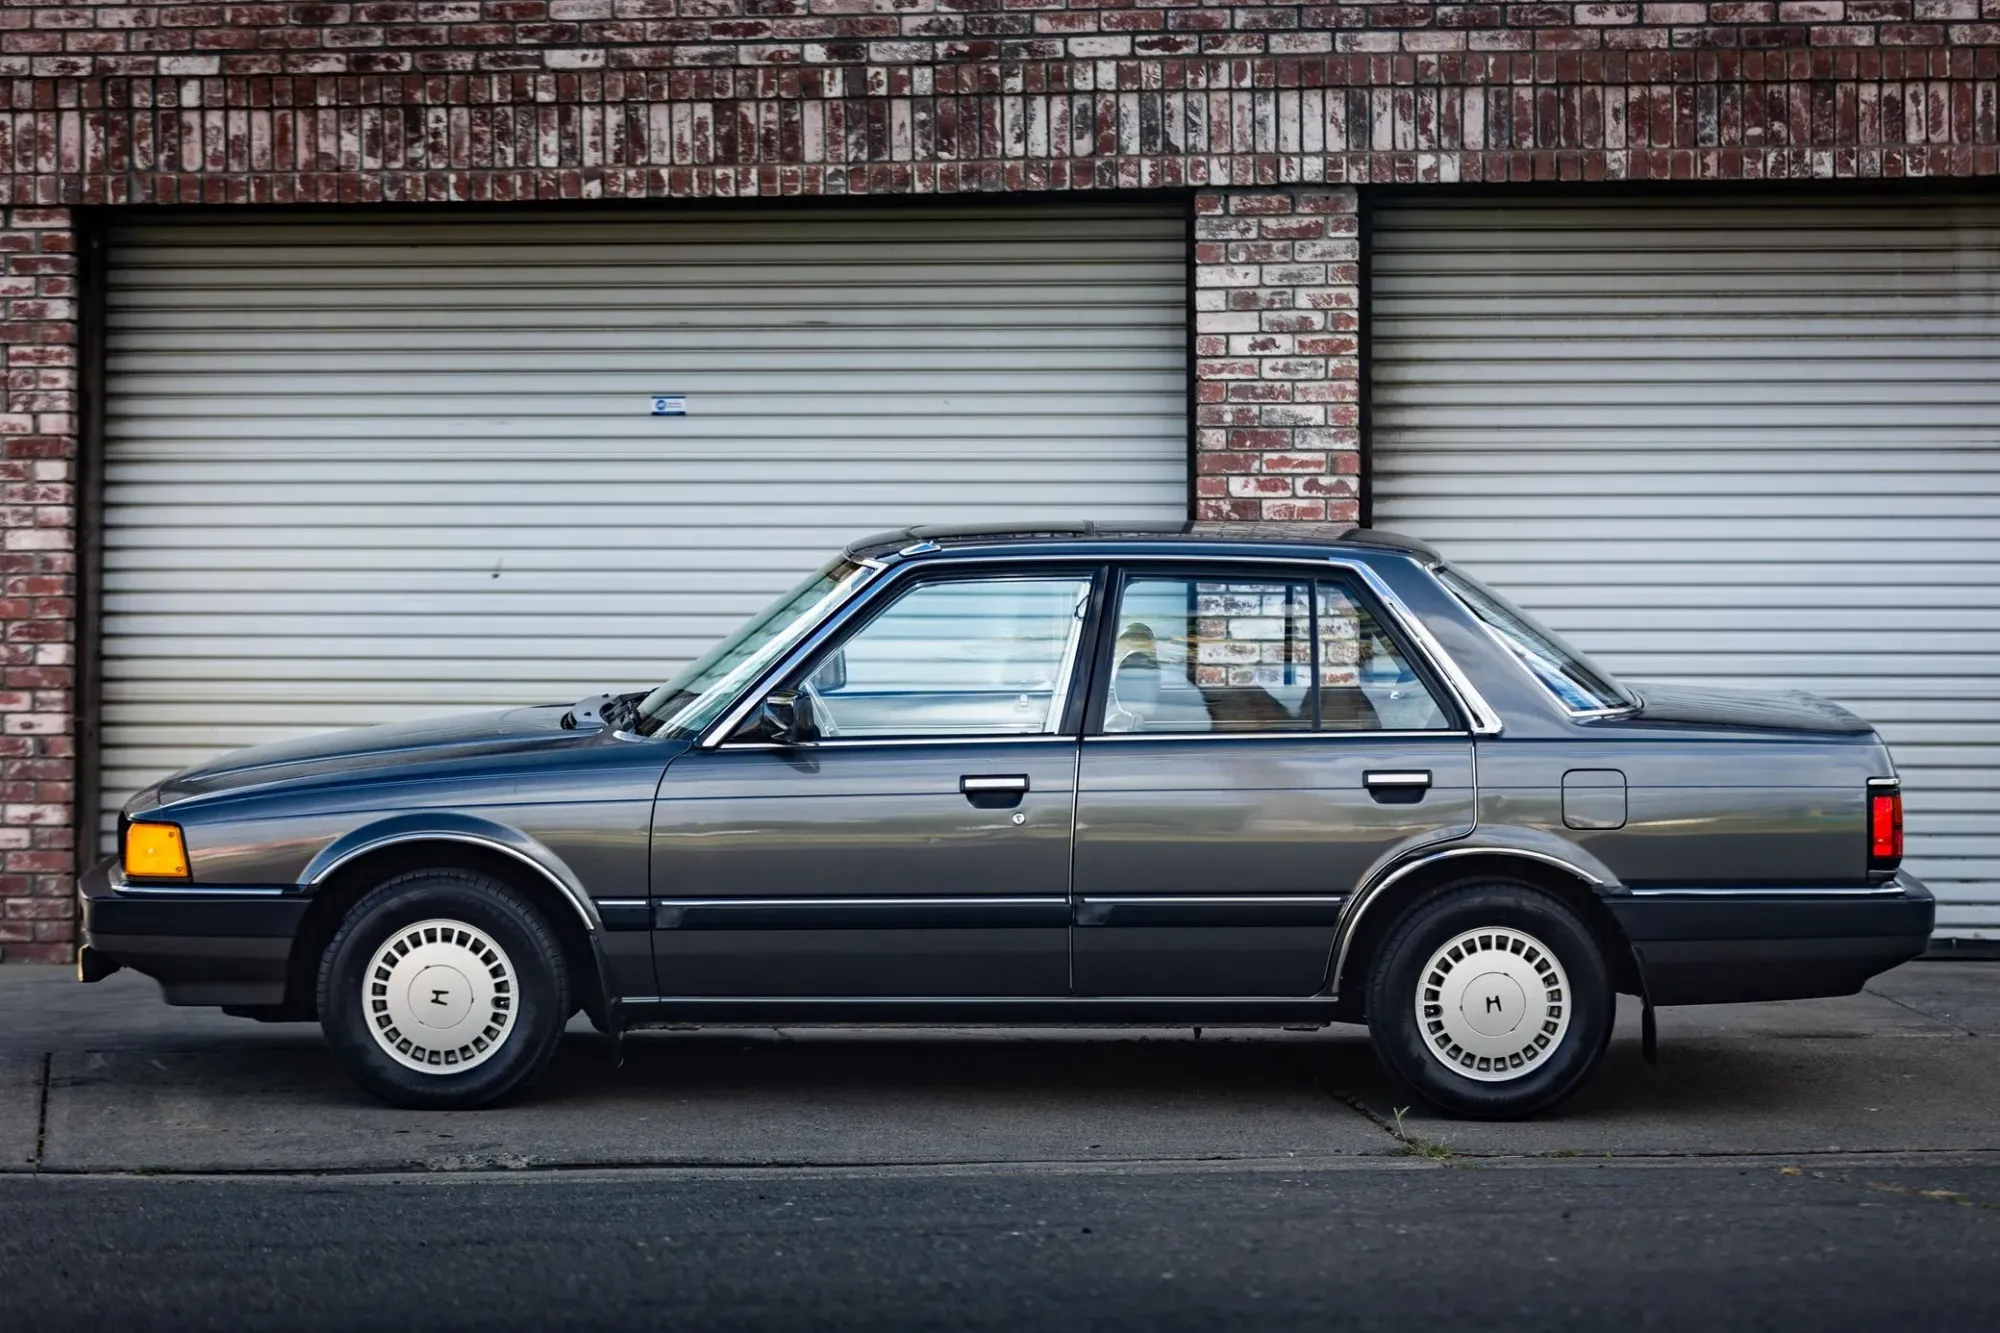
1574,714
857,742
1484,720
585,908
849,592
1066,673
813,640
1458,733
1359,903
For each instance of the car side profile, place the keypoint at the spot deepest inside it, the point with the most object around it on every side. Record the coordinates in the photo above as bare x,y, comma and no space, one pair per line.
1197,774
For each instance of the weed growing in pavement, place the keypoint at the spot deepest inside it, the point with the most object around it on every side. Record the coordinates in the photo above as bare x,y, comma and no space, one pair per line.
1414,1146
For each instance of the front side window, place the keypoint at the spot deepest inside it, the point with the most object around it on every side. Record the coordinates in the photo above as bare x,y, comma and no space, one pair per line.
1581,685
1202,655
961,657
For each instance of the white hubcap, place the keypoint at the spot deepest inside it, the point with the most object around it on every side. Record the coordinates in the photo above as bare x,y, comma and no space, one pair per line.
1492,1004
439,996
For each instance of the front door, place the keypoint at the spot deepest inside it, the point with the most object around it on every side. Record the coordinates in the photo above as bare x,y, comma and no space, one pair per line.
918,843
1259,740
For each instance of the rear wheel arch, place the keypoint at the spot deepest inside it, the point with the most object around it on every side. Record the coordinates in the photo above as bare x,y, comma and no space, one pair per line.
337,895
1362,936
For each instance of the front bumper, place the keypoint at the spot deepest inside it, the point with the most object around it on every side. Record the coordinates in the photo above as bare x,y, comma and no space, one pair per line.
1720,946
204,946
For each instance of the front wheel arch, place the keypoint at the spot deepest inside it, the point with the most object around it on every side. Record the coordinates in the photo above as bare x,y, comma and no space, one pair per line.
338,894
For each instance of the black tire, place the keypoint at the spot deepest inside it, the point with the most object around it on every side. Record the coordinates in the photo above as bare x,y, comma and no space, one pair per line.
505,1031
1563,1028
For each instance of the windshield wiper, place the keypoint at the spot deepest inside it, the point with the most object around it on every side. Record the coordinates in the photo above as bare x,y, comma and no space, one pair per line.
603,710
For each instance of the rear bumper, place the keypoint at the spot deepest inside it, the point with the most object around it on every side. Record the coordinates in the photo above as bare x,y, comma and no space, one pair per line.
1710,946
222,946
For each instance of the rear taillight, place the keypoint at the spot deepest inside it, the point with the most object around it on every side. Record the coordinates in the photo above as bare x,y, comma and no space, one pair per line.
1885,826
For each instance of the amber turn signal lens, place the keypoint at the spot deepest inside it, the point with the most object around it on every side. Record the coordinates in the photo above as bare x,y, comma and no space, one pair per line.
155,851
1885,827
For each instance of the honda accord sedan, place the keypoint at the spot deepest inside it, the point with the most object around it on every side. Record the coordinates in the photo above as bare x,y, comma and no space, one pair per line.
1187,775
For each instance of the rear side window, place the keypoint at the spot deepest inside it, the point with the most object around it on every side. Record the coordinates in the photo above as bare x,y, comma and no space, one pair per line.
1579,683
1197,655
1366,682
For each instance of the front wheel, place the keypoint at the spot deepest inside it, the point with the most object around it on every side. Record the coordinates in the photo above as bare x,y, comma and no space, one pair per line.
1491,1000
443,989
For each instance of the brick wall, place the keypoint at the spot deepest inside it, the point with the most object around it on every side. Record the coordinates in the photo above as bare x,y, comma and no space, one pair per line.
1272,112
1277,379
524,99
38,601
398,36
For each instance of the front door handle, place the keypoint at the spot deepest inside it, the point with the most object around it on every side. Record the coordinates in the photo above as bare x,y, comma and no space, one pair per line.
1397,786
994,791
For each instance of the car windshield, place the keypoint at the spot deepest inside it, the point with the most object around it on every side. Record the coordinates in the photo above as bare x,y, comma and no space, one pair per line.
703,688
1581,684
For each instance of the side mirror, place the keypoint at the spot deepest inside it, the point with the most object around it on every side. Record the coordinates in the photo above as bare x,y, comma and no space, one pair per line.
783,718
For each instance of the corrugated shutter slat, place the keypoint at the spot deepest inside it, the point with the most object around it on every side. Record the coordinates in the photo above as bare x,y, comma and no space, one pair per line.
360,472
1730,440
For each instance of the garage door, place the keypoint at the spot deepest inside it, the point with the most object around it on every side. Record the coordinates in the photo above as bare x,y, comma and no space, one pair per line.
365,472
1732,441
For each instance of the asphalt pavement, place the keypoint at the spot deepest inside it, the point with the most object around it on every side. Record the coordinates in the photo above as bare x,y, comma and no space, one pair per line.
1372,1245
1833,1163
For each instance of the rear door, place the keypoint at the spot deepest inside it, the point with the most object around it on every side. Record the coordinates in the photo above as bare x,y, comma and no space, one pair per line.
1259,738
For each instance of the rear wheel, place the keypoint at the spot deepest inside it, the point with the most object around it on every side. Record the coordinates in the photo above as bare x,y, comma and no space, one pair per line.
1491,1000
443,989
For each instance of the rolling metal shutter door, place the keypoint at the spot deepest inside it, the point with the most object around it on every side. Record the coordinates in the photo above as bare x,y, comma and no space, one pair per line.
364,472
1750,443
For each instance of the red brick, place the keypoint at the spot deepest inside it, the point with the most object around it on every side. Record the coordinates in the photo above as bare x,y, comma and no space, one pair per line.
39,953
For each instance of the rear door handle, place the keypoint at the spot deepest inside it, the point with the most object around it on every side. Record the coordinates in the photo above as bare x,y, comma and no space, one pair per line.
1397,785
992,791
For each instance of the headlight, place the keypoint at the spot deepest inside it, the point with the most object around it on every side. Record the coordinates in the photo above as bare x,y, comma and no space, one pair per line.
155,851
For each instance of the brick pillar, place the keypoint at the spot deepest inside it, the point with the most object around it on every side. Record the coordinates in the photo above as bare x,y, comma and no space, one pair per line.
1277,300
38,451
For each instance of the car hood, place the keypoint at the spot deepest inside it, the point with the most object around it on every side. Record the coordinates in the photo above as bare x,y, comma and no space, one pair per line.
1756,710
373,749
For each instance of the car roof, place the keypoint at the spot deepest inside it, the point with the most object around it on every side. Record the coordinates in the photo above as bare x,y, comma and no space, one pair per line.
1193,538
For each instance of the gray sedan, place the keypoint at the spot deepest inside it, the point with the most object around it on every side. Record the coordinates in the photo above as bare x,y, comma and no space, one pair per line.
1204,774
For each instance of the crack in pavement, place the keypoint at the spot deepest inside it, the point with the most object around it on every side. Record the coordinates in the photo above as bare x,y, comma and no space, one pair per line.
42,1110
1924,1014
1828,1170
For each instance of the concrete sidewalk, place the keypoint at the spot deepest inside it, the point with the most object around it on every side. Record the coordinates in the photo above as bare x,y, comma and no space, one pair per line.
106,1078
